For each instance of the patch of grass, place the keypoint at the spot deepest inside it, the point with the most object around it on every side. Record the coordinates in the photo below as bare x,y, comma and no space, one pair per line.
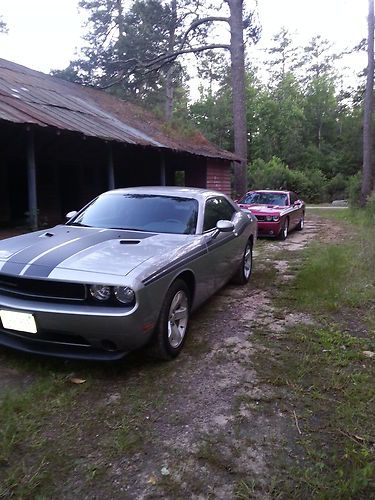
127,437
77,430
331,389
336,275
327,380
263,276
25,453
215,451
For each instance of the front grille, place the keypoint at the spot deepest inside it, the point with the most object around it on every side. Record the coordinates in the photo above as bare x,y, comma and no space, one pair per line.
261,218
44,289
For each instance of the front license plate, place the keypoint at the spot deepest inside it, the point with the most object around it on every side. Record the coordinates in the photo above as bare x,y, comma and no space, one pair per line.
19,321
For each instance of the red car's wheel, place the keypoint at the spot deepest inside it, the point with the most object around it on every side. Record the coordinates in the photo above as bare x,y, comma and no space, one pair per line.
301,223
284,230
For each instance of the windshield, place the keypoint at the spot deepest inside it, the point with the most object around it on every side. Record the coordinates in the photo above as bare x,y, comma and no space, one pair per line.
141,212
280,199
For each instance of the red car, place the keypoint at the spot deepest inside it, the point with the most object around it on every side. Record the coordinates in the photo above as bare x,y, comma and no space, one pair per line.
278,212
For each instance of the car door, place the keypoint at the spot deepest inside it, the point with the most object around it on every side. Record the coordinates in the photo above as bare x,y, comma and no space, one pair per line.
222,247
296,213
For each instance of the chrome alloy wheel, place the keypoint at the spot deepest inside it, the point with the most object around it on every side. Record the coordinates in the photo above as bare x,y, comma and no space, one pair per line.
178,319
302,222
247,262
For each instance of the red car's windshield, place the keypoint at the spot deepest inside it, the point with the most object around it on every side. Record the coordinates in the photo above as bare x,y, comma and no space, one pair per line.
280,199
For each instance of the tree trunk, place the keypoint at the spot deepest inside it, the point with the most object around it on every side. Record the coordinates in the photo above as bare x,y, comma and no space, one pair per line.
237,51
169,94
169,90
367,169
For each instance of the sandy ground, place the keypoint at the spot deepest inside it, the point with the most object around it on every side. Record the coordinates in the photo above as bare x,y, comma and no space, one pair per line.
212,434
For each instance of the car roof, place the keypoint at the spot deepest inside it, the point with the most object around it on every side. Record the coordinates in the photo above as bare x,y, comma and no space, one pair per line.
275,191
183,192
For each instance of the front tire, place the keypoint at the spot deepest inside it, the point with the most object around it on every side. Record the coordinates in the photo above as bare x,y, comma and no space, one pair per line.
301,223
172,326
284,230
243,274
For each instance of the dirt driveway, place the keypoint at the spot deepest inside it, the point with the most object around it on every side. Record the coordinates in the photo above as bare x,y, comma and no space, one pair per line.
203,426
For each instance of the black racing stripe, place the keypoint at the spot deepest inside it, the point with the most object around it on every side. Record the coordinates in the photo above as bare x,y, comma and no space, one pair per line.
46,264
61,235
12,268
211,245
160,273
39,246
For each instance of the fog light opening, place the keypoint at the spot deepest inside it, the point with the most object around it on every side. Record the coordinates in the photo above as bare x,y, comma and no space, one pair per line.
108,345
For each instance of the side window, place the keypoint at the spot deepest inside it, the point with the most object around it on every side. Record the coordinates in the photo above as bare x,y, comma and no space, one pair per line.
293,198
216,209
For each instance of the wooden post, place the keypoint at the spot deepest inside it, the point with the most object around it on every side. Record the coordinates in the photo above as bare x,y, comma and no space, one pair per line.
110,167
162,170
31,181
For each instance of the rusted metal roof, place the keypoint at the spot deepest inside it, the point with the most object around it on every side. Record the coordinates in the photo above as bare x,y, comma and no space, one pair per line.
31,97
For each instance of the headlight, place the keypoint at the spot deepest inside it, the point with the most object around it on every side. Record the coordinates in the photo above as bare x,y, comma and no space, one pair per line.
275,218
100,292
124,294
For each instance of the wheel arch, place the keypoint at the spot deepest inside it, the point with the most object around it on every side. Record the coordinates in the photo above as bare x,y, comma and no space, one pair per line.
189,278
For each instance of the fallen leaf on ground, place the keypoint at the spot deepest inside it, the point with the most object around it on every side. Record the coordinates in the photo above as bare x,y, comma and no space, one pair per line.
75,380
368,354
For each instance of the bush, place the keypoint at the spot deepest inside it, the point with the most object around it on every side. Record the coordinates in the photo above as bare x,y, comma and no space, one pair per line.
275,174
337,187
354,189
370,206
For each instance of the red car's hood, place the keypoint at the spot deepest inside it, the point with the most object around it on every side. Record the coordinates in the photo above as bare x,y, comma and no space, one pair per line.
263,209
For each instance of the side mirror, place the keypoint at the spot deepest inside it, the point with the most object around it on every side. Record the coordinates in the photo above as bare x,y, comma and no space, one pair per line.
224,226
71,214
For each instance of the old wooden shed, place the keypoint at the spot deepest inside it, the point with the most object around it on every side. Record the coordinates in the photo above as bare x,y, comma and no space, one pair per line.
61,144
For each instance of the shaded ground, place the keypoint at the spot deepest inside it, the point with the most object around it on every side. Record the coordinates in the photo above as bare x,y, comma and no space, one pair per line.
207,425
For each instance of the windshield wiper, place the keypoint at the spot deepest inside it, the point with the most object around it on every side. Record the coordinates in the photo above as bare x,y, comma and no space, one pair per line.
125,228
78,224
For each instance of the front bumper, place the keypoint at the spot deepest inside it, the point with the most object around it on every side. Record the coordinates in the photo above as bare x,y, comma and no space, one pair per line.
79,331
269,228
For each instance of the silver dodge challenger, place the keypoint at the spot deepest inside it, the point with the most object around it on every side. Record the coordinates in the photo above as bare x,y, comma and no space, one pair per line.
124,272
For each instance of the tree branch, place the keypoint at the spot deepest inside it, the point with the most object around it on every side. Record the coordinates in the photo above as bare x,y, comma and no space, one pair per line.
198,22
168,57
160,61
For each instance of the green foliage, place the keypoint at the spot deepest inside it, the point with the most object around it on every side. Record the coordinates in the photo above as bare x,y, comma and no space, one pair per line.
212,114
337,187
276,175
354,189
301,116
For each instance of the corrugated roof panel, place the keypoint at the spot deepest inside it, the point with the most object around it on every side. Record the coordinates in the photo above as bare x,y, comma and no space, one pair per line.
27,96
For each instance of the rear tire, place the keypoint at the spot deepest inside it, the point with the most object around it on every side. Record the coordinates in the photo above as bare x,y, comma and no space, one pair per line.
170,332
284,230
243,274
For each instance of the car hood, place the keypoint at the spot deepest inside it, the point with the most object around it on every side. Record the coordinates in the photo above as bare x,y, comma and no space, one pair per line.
264,209
66,251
